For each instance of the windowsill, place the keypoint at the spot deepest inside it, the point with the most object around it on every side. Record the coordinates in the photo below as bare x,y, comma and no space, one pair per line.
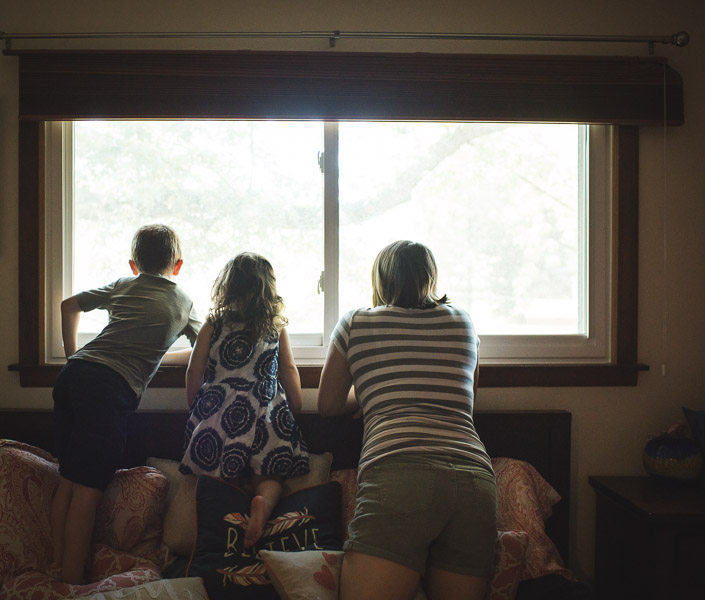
491,376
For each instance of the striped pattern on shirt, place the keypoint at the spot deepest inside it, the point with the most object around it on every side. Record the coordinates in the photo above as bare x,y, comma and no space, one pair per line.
413,373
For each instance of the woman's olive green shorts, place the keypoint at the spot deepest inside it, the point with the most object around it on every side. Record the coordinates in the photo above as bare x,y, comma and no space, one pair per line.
427,511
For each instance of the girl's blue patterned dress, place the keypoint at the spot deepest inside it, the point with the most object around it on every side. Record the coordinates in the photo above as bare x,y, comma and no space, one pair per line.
240,421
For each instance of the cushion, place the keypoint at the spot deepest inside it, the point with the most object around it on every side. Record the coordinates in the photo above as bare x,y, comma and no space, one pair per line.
28,478
110,570
304,575
131,511
180,519
524,502
307,519
510,556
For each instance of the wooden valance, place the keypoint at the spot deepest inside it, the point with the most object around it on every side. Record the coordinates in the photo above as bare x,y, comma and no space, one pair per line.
347,85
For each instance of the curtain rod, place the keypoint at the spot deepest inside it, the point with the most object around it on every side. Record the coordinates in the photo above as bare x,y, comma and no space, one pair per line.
679,39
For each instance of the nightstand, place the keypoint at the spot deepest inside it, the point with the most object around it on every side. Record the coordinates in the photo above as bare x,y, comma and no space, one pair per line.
649,538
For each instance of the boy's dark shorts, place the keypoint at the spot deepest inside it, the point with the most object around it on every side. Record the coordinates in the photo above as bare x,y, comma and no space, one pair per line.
92,403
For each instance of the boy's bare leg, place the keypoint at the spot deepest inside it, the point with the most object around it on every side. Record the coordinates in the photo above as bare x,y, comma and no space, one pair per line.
267,491
59,509
80,520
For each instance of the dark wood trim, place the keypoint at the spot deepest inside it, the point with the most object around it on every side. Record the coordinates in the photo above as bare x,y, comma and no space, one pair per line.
491,376
61,84
31,316
628,240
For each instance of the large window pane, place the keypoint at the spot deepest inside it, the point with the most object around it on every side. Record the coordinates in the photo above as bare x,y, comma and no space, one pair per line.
501,206
225,187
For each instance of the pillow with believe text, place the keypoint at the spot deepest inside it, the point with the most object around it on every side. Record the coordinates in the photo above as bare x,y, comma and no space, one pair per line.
305,520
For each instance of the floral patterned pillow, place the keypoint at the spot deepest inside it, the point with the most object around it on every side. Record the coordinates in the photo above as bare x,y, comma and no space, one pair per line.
524,502
131,513
28,478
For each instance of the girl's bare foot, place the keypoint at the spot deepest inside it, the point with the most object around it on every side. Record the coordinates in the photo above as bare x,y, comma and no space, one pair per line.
256,522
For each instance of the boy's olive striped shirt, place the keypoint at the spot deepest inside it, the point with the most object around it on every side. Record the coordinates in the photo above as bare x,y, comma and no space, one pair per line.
413,373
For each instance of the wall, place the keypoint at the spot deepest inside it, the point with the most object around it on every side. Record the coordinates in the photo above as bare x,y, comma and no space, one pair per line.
610,425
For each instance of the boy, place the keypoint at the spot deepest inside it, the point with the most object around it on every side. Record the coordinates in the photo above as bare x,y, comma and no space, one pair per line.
102,383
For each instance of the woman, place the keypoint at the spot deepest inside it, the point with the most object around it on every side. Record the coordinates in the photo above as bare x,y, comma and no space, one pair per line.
426,503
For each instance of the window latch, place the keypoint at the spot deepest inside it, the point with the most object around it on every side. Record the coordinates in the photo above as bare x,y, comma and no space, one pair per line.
321,163
322,282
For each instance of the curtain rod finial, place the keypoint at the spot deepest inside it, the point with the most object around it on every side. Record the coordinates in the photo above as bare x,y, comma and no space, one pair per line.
680,39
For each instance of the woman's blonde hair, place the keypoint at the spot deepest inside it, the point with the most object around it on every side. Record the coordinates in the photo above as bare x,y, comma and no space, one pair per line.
245,292
405,274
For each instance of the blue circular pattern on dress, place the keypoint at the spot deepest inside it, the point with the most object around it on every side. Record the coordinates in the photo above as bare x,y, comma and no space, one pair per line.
267,364
238,383
261,437
206,449
300,466
209,402
238,417
236,457
278,462
264,390
283,421
235,350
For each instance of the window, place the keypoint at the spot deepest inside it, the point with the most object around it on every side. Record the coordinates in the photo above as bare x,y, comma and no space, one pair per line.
517,214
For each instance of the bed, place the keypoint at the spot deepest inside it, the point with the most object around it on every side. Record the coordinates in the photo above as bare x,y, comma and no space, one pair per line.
540,438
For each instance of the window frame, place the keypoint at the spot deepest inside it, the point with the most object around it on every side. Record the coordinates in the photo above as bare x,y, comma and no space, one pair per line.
595,202
622,369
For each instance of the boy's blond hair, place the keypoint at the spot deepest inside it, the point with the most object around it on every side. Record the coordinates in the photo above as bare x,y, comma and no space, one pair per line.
155,249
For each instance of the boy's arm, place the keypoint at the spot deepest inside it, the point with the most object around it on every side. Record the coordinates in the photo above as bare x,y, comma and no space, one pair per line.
177,357
70,317
289,374
197,365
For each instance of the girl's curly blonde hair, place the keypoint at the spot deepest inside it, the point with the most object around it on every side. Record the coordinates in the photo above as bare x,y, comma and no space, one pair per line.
245,292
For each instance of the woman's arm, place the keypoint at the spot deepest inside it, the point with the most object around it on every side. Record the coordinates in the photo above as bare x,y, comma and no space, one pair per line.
197,365
288,373
334,397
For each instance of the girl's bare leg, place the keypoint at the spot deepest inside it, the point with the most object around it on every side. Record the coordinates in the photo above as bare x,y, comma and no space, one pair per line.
267,491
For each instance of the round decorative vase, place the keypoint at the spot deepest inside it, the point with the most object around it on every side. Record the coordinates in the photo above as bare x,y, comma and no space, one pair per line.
673,458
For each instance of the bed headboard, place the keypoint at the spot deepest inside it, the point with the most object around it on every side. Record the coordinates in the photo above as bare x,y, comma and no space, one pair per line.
541,438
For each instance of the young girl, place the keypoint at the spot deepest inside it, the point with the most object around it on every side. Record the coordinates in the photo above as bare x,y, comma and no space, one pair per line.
241,420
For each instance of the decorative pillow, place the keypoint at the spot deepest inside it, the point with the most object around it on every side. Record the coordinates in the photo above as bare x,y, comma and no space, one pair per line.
510,555
28,478
180,519
304,575
307,519
110,570
347,478
524,502
129,516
